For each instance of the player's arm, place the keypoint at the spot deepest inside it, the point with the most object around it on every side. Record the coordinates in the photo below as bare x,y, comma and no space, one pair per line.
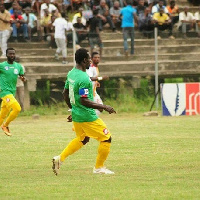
99,78
66,97
90,104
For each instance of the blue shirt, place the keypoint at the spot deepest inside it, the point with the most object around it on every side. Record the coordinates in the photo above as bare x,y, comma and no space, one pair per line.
127,16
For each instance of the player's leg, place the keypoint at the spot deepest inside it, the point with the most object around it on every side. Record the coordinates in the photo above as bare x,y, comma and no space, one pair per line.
3,114
99,131
11,103
71,148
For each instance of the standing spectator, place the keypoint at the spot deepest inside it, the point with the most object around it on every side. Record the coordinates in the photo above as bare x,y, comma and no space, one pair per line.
94,33
115,13
20,87
47,5
158,6
31,21
197,18
173,11
163,22
128,14
18,25
186,21
104,16
61,26
4,28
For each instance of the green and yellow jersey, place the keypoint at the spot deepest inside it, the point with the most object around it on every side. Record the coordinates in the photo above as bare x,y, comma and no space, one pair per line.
80,85
8,77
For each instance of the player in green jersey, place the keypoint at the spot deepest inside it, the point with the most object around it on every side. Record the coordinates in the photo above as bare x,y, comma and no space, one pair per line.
9,73
78,94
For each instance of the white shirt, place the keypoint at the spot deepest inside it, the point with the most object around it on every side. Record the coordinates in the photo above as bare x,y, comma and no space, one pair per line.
93,72
50,9
156,8
60,26
197,15
183,16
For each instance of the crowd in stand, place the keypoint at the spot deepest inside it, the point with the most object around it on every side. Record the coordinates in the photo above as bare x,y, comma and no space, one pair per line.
28,17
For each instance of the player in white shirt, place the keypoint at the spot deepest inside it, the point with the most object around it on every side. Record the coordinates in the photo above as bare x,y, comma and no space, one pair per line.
93,73
61,25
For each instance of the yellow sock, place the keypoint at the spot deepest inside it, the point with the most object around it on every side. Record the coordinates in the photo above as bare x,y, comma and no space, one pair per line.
71,148
103,151
16,108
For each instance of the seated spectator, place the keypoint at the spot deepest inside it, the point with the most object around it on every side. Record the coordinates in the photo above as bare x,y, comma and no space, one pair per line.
76,4
47,5
46,22
8,4
15,6
79,14
173,11
87,10
31,21
81,31
94,33
158,6
67,5
186,21
104,16
24,3
115,13
163,22
36,6
197,18
19,25
145,23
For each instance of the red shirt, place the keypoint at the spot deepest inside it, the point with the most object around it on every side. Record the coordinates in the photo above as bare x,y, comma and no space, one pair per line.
19,17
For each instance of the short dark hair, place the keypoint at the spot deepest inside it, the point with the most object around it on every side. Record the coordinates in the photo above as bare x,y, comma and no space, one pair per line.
94,53
129,2
80,55
8,49
63,15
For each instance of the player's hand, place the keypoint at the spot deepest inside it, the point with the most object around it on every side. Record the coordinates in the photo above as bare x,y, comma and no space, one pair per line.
23,78
69,118
109,109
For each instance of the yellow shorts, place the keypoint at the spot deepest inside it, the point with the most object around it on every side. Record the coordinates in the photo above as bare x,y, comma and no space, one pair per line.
8,100
96,129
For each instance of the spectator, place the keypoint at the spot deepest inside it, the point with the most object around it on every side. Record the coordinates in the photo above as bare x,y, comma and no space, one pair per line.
197,18
76,4
61,26
163,22
47,5
128,14
158,6
87,11
81,31
79,14
67,4
173,11
31,21
115,13
145,23
15,6
24,3
4,28
104,16
20,87
186,21
8,4
94,33
36,6
46,22
19,25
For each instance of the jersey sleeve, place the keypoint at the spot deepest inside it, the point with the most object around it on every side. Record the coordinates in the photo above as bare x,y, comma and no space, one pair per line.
21,72
66,84
84,89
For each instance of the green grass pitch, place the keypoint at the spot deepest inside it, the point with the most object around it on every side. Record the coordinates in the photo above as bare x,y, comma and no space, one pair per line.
152,157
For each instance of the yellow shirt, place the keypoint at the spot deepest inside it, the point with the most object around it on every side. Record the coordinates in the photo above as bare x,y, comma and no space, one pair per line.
160,19
46,20
5,16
